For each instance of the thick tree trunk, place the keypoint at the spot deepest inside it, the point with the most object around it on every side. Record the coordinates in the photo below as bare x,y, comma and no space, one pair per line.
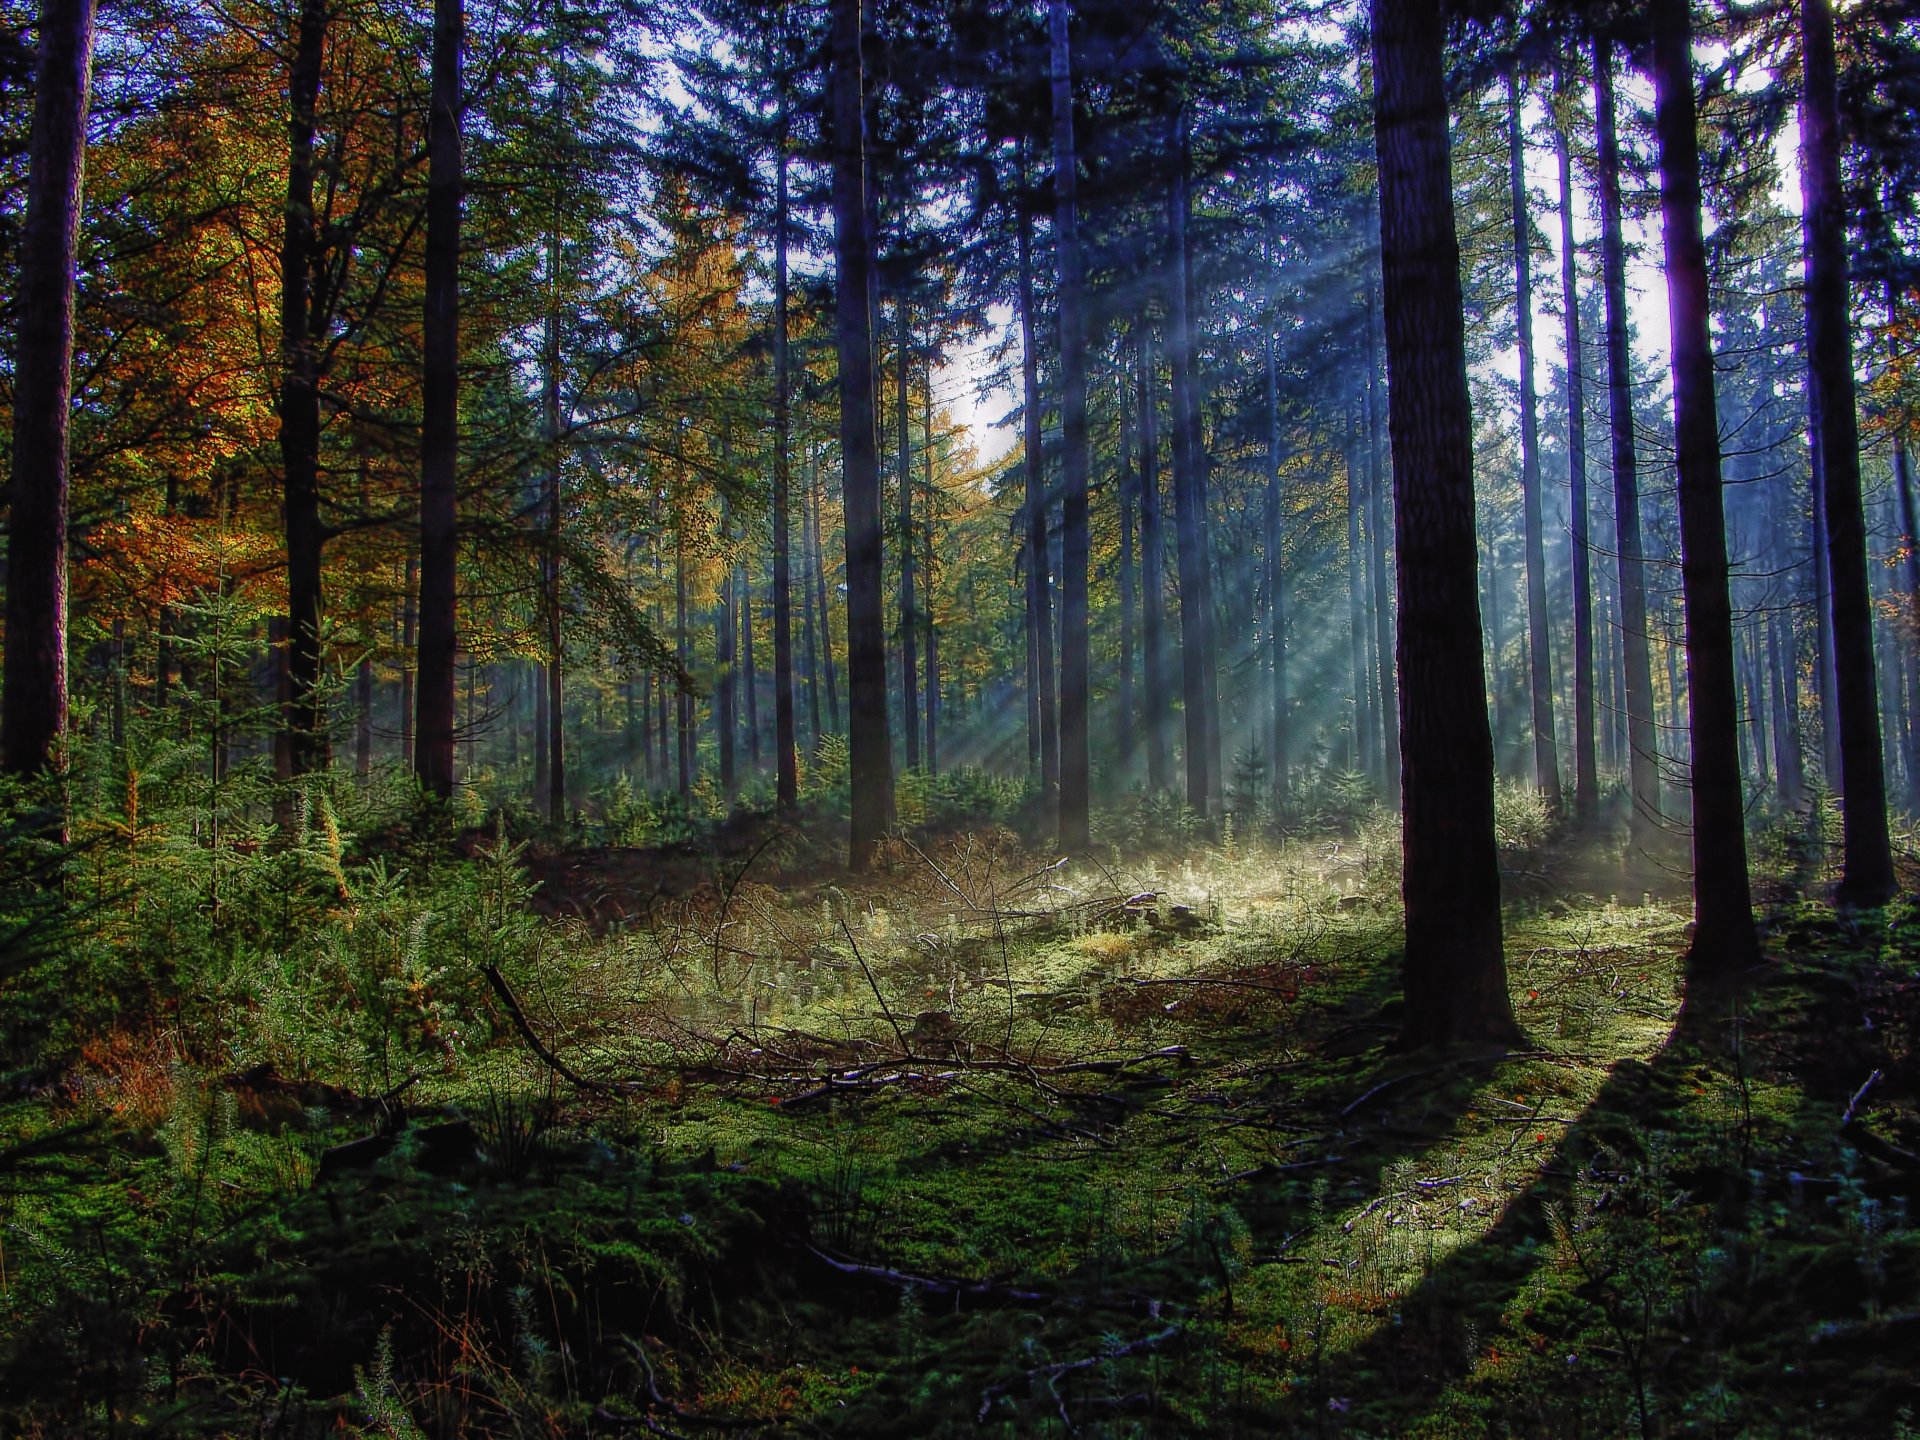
1867,877
870,759
1153,584
440,412
903,479
1455,973
1034,464
1546,761
1192,545
1076,678
1586,775
1643,756
1724,938
301,334
786,765
33,708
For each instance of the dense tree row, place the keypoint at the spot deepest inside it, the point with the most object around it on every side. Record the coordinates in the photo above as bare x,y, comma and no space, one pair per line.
581,395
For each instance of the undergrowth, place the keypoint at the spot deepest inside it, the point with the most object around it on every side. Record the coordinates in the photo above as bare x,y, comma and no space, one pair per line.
330,1116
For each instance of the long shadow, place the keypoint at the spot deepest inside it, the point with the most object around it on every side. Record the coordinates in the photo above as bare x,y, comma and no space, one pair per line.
1393,1381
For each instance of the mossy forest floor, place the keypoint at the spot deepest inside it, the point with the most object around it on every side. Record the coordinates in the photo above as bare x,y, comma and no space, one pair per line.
978,1145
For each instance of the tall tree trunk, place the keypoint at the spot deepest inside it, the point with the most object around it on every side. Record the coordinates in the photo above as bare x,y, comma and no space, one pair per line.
1153,585
363,718
870,761
683,650
409,632
1787,765
749,669
820,599
33,708
1124,487
1910,548
440,412
1546,762
1823,684
1724,938
726,694
1361,741
785,749
302,331
807,629
542,780
552,672
1034,465
1455,973
1076,678
1586,775
1643,756
1381,591
1275,576
903,479
927,571
1867,876
1190,502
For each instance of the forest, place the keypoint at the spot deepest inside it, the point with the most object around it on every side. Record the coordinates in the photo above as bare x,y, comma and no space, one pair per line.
911,718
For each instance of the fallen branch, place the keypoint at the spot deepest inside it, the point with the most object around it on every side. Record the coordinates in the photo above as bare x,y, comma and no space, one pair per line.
1868,1142
932,1284
539,1047
679,1411
1053,1373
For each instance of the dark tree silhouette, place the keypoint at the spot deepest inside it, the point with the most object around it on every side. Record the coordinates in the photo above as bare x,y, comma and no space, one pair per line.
1455,972
1075,669
1643,762
35,698
304,722
440,413
869,757
1546,762
1724,938
1586,778
1867,878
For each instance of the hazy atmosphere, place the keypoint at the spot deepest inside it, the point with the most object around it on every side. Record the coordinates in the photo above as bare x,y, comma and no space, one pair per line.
995,718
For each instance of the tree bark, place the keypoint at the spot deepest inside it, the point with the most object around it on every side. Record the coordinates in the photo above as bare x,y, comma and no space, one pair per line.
553,671
1034,463
1191,543
903,478
1076,680
440,413
1724,938
33,709
1546,761
1643,756
932,630
785,748
1381,591
870,759
1455,973
1153,584
301,334
1586,775
1867,877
